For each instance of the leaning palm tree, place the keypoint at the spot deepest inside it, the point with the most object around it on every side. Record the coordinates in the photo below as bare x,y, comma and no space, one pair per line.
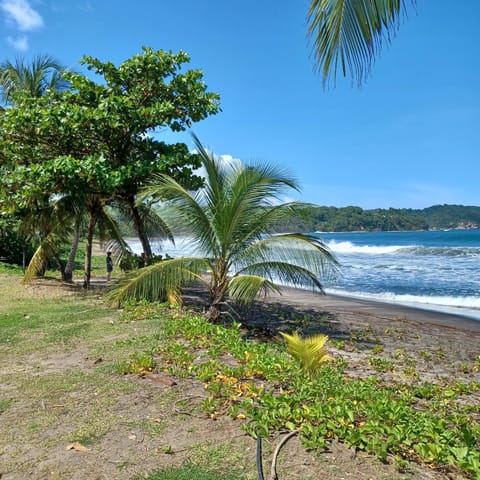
35,79
60,221
229,221
349,34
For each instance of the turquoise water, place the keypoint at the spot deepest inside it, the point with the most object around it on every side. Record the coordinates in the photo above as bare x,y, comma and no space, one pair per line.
436,270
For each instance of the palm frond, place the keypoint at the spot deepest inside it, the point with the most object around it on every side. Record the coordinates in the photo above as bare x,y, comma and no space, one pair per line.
157,281
252,223
245,288
181,207
349,34
294,258
285,273
310,352
49,246
155,226
108,230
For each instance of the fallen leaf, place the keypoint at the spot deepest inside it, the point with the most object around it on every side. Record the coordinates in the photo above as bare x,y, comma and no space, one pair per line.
76,446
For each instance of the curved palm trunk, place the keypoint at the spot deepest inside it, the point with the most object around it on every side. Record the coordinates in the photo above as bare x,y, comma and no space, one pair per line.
88,254
68,272
139,228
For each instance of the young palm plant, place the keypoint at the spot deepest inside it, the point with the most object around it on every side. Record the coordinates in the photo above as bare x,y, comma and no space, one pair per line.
229,222
310,351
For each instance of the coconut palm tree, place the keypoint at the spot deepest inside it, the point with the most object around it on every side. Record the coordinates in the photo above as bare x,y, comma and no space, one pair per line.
35,79
349,34
229,221
61,220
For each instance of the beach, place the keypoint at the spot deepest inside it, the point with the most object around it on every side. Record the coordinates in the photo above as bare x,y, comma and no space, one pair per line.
418,345
381,310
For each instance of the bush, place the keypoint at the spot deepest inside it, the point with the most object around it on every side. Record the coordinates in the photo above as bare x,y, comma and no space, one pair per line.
12,245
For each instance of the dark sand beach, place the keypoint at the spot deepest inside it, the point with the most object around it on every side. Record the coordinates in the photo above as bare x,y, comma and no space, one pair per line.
421,345
340,304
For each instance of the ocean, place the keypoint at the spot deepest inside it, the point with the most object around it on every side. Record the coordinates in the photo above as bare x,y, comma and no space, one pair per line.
434,270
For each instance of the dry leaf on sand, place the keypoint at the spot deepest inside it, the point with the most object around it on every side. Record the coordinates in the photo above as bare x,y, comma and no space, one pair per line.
76,446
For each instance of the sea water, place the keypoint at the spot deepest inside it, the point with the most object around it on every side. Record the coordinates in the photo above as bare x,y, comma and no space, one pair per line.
434,270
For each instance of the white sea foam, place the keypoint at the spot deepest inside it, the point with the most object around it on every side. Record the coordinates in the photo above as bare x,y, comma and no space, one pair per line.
349,248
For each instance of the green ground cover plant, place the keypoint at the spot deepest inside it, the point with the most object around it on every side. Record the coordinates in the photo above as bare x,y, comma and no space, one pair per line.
189,472
268,389
64,378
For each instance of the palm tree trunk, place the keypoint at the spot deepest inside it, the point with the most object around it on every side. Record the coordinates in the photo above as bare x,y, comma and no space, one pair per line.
138,225
217,299
68,272
88,254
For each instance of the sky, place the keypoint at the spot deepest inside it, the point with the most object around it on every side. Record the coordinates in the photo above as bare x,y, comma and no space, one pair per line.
409,138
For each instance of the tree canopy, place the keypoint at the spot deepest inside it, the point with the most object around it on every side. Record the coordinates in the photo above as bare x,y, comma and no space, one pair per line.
101,138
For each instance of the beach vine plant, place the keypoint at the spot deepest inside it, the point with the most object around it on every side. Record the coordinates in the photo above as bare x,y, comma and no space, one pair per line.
230,221
264,387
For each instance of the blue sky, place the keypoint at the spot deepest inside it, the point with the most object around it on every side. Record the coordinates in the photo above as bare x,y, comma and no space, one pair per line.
408,138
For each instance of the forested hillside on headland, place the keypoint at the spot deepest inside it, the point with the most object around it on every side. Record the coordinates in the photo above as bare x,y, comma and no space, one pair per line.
349,219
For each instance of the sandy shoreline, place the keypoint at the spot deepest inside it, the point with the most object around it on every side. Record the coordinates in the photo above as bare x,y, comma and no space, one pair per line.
340,304
416,344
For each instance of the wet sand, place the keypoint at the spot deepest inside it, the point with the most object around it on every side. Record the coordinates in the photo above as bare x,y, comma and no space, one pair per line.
339,304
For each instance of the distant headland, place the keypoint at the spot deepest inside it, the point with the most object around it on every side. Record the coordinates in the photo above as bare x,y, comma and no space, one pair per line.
352,218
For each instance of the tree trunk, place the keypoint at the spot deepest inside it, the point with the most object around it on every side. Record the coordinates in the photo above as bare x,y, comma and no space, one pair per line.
218,295
60,264
68,273
213,313
88,254
139,228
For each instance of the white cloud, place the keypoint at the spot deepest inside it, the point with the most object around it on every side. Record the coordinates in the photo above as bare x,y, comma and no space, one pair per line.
19,43
86,6
21,13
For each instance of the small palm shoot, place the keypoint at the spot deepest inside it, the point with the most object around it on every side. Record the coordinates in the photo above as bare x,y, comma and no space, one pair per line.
310,351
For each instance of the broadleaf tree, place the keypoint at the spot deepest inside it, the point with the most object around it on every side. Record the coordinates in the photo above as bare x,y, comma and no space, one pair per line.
116,119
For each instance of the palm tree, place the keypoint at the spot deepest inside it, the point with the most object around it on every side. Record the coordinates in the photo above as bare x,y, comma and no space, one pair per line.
349,33
228,221
63,219
35,79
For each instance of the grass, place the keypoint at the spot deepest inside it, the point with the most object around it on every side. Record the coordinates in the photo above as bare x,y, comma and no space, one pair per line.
189,472
9,268
59,353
